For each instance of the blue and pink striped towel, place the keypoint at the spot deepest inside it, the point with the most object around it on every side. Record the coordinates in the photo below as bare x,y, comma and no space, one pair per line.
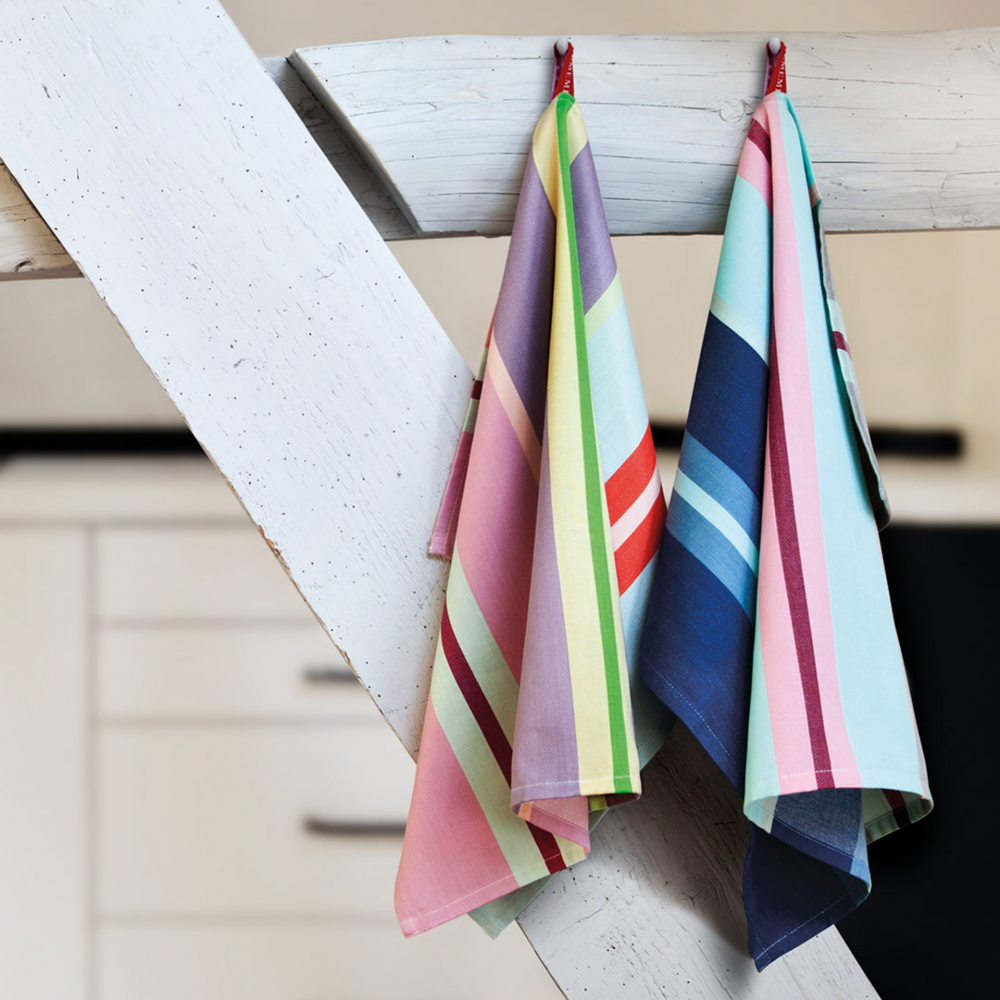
769,631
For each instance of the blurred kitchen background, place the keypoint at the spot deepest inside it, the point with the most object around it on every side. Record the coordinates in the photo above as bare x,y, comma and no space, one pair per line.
196,798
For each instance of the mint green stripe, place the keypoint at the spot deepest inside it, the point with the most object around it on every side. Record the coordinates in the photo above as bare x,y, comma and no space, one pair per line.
483,654
471,415
592,476
483,774
604,306
741,325
762,765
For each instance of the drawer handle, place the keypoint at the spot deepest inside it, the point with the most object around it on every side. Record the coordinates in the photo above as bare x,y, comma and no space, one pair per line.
327,675
320,827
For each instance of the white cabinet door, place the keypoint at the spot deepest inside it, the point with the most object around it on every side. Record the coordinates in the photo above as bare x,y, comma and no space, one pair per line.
207,821
172,573
43,764
250,672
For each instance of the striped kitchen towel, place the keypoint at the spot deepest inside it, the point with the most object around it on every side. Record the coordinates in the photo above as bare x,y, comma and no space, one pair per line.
552,518
770,632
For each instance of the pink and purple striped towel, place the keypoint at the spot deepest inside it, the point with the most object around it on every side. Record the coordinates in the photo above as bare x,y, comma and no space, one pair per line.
552,519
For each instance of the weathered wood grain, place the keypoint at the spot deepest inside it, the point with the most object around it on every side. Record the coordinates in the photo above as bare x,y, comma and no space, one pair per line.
29,249
338,147
189,192
904,129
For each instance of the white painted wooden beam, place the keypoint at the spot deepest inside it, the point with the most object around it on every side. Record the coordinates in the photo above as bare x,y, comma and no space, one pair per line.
903,128
29,249
338,147
190,193
260,295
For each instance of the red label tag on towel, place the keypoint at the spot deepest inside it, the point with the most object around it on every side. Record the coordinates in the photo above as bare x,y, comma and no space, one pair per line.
774,78
562,71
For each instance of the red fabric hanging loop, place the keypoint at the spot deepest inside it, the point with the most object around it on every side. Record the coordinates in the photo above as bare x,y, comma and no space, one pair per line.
774,77
562,70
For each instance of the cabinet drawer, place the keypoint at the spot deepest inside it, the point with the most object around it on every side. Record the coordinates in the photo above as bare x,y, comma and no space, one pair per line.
43,778
339,960
210,820
162,574
240,672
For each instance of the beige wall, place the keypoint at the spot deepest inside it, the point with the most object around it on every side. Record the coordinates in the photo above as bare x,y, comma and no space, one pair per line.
926,345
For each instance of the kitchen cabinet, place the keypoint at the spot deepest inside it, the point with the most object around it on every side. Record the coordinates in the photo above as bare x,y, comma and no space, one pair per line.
197,797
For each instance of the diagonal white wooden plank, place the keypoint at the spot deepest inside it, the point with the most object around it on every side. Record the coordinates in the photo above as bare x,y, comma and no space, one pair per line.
260,295
189,192
903,127
29,249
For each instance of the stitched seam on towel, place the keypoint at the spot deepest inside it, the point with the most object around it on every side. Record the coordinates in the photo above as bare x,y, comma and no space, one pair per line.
539,811
546,784
486,885
903,778
815,770
680,694
808,920
890,814
815,840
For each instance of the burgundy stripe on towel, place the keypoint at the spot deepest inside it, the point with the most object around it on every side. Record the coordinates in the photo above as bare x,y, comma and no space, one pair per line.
841,342
898,805
492,731
759,137
795,585
474,697
551,854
